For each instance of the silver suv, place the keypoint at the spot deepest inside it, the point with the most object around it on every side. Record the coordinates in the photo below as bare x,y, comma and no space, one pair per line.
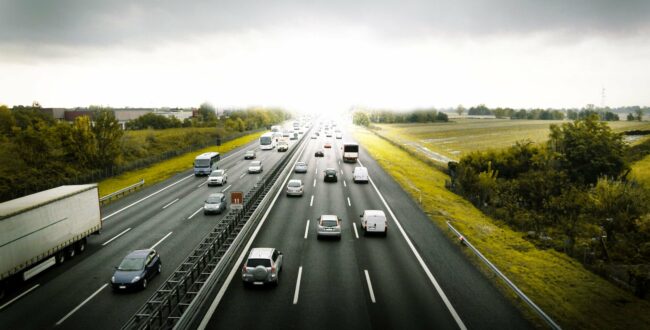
262,266
329,226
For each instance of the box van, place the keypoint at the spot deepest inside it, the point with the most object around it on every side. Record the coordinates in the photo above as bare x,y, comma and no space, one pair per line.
374,221
360,174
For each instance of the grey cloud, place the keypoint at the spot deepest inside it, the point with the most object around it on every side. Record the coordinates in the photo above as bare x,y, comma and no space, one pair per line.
55,24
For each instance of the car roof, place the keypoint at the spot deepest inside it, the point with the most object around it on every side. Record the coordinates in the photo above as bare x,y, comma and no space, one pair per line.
250,151
329,217
301,163
218,171
330,169
295,180
256,162
375,213
139,253
216,195
261,253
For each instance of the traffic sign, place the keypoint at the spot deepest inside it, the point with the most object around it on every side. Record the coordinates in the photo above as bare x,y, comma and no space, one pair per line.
237,200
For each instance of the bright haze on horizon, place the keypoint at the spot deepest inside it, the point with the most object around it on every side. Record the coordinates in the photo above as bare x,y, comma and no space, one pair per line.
325,55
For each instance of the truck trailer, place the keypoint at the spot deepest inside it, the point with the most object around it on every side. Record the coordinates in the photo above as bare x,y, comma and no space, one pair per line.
46,228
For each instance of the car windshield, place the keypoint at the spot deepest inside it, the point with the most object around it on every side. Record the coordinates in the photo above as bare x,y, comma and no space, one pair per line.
131,264
214,199
217,173
329,223
250,153
300,164
294,183
201,163
253,262
330,172
256,163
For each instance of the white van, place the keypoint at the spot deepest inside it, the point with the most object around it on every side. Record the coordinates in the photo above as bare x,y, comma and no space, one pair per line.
374,221
360,174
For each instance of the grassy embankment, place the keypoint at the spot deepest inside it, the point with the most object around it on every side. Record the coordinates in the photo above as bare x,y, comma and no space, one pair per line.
573,296
165,169
641,171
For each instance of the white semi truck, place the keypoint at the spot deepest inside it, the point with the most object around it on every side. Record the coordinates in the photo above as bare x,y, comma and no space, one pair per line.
45,228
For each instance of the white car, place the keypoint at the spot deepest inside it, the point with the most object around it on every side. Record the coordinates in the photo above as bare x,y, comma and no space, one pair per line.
255,167
360,174
262,266
295,188
339,136
329,226
218,178
374,221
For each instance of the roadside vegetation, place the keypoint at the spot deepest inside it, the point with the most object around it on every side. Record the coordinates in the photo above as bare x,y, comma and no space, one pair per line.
560,285
38,153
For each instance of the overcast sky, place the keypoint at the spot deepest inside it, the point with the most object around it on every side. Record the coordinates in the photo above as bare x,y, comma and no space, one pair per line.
325,54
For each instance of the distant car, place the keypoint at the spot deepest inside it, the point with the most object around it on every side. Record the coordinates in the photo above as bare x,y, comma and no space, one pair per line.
283,146
330,175
360,174
255,167
339,136
327,145
374,221
295,188
301,167
319,153
286,133
136,269
217,177
328,134
329,225
294,136
216,203
250,154
314,136
262,266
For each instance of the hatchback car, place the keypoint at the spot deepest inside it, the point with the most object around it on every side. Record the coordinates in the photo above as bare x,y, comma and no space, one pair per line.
301,167
319,153
329,226
262,266
216,203
217,177
250,154
330,175
295,188
136,269
255,167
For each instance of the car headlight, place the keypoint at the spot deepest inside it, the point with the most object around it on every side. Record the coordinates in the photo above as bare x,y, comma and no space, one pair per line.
135,279
113,279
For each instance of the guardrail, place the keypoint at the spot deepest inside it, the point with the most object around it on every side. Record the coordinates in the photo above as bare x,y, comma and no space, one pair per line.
519,293
176,304
121,191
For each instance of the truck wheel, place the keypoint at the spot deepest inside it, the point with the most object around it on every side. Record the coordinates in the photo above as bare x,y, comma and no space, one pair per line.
60,257
81,245
71,252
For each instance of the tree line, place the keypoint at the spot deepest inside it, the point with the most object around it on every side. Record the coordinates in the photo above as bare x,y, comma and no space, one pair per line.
571,194
37,151
604,114
392,117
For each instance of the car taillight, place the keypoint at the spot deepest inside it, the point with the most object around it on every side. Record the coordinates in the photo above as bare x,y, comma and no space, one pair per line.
243,269
273,269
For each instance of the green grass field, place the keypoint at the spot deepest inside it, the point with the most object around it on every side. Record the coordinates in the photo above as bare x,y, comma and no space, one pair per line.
457,138
163,170
641,171
573,296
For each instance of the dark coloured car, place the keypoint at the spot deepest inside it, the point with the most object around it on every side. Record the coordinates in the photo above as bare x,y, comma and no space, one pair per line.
330,175
250,154
319,153
136,269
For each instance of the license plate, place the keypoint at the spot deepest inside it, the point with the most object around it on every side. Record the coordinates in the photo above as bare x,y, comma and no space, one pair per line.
122,286
258,283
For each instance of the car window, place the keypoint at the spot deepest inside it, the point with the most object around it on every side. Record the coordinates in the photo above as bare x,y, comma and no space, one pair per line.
213,200
254,262
131,264
294,183
329,223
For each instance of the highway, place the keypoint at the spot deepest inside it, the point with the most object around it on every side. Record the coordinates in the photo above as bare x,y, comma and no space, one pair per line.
168,215
413,278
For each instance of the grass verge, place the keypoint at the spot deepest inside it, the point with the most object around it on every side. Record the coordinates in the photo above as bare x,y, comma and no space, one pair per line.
164,170
573,296
641,171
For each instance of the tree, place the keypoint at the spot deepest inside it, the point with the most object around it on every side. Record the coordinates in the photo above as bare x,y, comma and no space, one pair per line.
207,113
361,119
108,134
7,121
639,114
588,149
630,117
460,109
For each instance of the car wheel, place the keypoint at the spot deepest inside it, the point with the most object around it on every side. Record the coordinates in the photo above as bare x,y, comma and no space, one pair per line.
71,251
365,232
144,283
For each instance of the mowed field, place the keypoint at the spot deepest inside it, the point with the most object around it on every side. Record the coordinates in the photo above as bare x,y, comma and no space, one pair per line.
457,138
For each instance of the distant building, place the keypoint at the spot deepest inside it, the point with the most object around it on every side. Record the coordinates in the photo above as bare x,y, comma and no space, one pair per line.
56,113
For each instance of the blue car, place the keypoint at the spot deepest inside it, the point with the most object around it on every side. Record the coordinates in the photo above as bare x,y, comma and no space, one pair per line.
136,269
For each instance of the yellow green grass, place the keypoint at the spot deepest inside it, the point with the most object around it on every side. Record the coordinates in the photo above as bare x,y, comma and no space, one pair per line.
457,138
641,171
573,296
163,170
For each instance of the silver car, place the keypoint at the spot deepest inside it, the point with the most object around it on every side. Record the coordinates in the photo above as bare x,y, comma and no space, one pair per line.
262,266
216,203
255,167
217,177
329,226
294,188
301,167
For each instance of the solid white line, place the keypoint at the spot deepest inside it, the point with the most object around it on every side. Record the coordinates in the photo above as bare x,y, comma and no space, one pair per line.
311,202
224,189
442,294
356,233
314,182
242,175
372,293
193,214
201,185
295,295
144,198
20,296
349,204
307,229
344,184
118,235
224,287
162,239
172,202
341,171
82,303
